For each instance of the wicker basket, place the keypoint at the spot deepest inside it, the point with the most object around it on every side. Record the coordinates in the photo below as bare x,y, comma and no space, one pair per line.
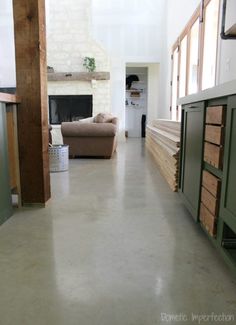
58,158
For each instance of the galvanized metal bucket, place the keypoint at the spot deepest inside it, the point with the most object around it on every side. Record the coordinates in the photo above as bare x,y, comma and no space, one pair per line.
58,158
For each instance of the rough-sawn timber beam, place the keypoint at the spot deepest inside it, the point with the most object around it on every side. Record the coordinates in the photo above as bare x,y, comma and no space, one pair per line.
31,75
78,76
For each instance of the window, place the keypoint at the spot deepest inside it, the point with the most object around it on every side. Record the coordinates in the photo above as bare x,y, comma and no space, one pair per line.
183,67
174,110
194,54
210,44
193,58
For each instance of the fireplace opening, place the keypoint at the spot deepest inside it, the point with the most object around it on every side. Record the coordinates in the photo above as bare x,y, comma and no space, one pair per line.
68,108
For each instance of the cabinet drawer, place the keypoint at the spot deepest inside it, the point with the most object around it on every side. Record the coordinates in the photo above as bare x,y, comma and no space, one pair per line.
215,115
208,220
213,155
214,134
210,202
211,183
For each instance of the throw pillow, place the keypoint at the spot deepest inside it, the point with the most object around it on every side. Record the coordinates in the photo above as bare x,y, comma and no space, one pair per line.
87,120
103,118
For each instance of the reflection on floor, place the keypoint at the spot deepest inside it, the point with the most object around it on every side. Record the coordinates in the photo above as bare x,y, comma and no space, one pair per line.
114,246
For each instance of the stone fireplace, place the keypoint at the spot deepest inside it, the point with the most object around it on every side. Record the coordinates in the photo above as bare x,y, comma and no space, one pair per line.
69,41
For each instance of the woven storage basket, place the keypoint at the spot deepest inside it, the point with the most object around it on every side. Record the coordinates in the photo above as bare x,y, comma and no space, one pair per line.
58,158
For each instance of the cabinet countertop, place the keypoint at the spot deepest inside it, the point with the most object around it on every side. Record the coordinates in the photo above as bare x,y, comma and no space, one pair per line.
226,89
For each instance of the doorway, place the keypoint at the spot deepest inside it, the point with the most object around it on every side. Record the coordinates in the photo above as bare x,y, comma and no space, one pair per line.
136,101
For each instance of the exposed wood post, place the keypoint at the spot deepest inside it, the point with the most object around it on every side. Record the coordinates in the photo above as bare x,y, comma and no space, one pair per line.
31,75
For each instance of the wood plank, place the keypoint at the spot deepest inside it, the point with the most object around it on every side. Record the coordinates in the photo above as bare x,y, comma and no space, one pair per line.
215,115
210,202
73,76
168,166
167,135
31,75
162,153
172,175
172,151
160,137
213,155
169,178
211,183
9,98
208,221
214,134
163,141
172,127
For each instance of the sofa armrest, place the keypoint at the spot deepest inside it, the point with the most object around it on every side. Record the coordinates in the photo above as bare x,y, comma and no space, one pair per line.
72,129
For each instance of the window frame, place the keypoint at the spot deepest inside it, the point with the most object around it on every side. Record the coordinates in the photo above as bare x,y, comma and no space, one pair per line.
199,13
206,3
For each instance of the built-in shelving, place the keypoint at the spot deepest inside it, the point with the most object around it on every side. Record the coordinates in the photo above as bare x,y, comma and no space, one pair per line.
136,101
134,107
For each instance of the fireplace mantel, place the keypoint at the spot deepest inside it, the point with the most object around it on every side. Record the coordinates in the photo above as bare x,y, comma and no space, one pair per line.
78,76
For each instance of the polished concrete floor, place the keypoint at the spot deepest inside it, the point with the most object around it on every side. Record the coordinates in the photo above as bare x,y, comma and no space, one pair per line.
114,246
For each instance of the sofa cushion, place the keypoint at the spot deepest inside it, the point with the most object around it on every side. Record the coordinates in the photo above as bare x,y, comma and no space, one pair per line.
69,129
103,118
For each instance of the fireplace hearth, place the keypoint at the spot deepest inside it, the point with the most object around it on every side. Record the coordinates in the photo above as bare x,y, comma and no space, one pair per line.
68,108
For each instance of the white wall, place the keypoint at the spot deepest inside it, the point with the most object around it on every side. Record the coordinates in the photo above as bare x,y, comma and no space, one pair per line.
153,93
118,91
227,61
130,29
132,32
227,49
7,51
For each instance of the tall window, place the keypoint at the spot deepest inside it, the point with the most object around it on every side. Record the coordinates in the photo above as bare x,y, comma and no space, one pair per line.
210,44
194,54
193,58
183,67
175,72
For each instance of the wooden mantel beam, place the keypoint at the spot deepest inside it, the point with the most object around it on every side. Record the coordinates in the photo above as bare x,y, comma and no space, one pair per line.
31,75
78,76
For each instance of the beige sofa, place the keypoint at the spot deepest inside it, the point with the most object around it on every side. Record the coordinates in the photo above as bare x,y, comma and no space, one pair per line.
93,137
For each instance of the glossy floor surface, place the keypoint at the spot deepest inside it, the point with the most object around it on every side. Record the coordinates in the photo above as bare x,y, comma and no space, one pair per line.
114,246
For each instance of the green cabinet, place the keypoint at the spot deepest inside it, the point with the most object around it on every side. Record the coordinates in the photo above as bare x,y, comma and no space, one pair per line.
5,193
228,199
191,155
202,123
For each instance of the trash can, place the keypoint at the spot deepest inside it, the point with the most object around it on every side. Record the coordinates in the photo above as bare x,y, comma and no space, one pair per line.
143,126
58,158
